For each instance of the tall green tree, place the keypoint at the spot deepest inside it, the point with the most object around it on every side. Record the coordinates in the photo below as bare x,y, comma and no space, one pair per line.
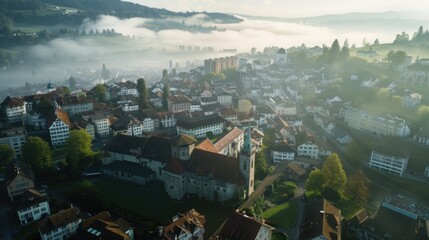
345,50
357,187
105,73
38,154
143,94
396,58
100,92
78,147
261,169
333,172
165,96
6,154
334,51
315,181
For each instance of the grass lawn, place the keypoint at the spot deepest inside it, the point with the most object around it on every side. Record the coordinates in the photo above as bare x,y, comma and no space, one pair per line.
152,203
348,208
283,215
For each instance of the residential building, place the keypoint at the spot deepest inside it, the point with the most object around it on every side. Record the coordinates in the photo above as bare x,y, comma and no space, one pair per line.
283,152
241,226
230,143
296,172
19,178
130,107
389,159
224,98
230,114
74,105
61,225
148,125
282,106
127,124
14,109
422,135
199,126
186,226
101,123
412,100
59,125
167,119
31,206
380,125
102,226
305,145
148,152
340,135
218,65
15,138
321,220
87,126
125,88
179,103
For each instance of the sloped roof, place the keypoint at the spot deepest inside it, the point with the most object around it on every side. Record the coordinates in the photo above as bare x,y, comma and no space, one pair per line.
12,102
123,122
60,115
59,219
183,140
189,122
29,198
297,169
153,147
219,166
321,218
186,222
18,168
207,145
242,227
229,137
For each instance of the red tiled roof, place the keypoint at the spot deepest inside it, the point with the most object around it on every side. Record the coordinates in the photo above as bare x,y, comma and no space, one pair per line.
207,145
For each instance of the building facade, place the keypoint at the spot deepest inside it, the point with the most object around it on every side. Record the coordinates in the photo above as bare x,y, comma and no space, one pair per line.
61,225
199,126
388,159
15,138
31,206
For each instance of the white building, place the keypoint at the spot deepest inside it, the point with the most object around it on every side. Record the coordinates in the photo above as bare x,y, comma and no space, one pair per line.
380,125
129,107
283,152
101,123
224,98
389,159
59,127
14,109
76,104
31,206
60,225
148,125
15,138
167,119
199,126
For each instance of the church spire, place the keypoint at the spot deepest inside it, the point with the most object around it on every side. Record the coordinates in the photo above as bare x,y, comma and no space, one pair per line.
247,148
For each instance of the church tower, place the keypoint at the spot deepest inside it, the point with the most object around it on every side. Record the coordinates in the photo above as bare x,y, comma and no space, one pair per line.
247,162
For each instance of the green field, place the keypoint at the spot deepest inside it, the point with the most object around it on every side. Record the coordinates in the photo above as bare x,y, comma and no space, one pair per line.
282,216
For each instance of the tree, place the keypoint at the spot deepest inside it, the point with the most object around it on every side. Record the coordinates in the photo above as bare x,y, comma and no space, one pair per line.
396,58
287,189
100,92
6,154
334,51
165,96
164,74
89,197
345,50
105,73
333,172
260,166
78,147
315,181
357,187
72,83
376,42
38,154
143,94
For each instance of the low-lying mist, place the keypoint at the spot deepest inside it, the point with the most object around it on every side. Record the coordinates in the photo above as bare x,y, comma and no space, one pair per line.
142,46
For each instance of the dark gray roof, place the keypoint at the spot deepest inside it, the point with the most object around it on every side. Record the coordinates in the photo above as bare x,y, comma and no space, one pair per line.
129,167
189,122
391,150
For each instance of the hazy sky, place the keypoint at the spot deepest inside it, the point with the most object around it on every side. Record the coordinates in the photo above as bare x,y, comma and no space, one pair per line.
288,8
